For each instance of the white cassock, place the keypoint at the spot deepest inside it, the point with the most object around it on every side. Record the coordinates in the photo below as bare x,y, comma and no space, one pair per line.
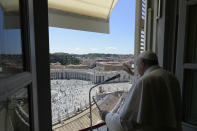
153,104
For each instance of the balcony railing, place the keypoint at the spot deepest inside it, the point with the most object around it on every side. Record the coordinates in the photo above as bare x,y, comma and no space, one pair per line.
99,127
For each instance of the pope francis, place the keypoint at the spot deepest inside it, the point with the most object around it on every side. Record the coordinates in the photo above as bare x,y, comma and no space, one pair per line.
153,102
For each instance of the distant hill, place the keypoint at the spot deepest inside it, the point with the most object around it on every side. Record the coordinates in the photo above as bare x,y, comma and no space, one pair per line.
64,58
96,55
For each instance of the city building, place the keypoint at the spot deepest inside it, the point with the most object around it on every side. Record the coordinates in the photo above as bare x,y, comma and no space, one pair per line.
109,66
57,65
80,66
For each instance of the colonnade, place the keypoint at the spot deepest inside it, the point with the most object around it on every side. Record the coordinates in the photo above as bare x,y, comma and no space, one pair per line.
87,75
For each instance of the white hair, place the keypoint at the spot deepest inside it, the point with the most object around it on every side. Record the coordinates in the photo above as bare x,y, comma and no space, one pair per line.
148,55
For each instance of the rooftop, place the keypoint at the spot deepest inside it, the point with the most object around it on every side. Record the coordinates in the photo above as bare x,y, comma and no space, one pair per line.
79,121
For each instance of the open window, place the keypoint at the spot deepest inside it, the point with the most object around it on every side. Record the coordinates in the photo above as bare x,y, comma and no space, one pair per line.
89,42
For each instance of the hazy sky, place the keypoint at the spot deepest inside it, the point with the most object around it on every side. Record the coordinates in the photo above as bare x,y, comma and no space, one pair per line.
119,41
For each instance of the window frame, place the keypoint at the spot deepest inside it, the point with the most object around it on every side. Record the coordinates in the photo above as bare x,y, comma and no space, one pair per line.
37,12
36,75
181,66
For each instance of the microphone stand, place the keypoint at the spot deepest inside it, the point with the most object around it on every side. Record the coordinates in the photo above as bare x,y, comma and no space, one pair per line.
90,105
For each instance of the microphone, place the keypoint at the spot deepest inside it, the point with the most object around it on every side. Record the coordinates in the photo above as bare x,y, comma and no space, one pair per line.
110,79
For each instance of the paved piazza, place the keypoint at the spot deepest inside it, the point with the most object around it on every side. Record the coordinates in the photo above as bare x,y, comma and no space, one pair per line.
70,96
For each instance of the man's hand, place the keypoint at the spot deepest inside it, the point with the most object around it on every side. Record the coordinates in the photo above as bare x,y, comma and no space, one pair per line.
103,114
127,68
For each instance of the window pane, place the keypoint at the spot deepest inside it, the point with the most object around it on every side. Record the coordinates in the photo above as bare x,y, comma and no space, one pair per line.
190,96
10,38
191,43
14,112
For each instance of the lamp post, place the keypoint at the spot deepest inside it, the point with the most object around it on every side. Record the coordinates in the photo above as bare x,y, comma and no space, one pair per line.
90,104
